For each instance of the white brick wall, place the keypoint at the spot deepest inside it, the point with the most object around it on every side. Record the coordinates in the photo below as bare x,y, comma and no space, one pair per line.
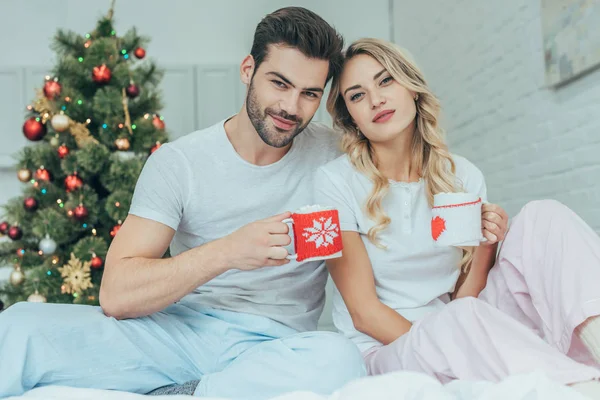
485,61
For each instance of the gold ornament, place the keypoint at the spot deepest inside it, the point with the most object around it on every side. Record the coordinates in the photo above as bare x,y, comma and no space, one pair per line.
122,144
82,134
60,122
76,275
24,175
54,141
17,276
36,298
42,106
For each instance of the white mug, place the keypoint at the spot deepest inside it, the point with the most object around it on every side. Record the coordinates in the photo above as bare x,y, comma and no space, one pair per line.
456,219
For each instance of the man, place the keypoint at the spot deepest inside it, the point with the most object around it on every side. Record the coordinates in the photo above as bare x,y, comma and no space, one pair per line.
227,309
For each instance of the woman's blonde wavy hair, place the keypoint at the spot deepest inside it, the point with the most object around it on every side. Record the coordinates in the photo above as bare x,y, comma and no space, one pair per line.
430,155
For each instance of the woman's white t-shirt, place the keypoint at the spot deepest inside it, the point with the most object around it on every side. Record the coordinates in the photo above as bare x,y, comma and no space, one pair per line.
411,275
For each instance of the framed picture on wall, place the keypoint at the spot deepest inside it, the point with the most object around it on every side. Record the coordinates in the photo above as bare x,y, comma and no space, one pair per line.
571,37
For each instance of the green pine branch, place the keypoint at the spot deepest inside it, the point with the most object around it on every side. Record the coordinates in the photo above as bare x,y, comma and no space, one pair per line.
68,43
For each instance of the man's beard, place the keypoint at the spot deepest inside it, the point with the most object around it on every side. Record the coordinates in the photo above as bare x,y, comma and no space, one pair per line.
272,136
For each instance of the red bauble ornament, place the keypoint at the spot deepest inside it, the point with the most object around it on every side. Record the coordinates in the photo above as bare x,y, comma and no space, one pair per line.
34,130
4,227
15,233
43,174
114,230
155,147
101,74
63,151
158,123
80,212
30,204
73,182
97,262
52,89
140,53
132,91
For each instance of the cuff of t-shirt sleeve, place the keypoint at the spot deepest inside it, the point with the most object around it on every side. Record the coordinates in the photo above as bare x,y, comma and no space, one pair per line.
344,226
155,216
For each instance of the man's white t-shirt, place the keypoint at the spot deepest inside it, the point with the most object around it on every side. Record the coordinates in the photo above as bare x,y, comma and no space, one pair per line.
199,186
412,276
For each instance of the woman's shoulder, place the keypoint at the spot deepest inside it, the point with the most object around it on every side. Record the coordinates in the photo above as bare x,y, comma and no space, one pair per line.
468,176
464,167
340,166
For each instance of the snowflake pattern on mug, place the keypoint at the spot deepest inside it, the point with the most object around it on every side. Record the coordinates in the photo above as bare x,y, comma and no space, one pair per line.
322,232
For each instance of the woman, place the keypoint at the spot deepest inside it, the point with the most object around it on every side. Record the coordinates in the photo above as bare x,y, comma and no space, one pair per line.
394,288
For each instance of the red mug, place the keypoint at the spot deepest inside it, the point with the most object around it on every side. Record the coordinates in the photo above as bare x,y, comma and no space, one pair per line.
317,234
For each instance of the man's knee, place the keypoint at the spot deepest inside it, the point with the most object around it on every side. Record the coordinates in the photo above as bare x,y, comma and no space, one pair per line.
332,361
19,315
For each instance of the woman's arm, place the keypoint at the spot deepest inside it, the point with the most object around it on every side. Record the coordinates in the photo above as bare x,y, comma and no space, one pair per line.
473,282
494,222
353,276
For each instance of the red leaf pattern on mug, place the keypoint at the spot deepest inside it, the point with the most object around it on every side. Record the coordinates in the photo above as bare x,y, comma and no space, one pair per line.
322,232
438,226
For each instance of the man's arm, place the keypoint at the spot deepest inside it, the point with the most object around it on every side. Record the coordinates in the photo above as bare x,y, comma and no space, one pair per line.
138,282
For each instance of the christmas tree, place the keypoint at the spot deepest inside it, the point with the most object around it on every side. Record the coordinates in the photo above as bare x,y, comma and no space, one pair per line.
94,123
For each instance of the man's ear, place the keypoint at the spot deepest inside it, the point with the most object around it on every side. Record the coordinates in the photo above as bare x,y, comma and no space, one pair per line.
247,69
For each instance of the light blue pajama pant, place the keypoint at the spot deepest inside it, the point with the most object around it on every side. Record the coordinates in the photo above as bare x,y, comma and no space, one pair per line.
234,355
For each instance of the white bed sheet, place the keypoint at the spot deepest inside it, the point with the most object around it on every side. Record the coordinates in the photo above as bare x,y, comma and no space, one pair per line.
396,386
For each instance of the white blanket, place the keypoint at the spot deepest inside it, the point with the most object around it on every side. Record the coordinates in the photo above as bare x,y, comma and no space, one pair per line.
394,386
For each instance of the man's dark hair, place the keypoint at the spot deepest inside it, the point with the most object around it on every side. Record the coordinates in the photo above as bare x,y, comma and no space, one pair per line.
302,29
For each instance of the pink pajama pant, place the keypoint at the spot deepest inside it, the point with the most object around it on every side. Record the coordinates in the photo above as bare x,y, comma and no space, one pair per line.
546,282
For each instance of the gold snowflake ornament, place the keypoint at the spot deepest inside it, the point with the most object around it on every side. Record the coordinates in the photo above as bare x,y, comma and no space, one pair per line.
76,275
